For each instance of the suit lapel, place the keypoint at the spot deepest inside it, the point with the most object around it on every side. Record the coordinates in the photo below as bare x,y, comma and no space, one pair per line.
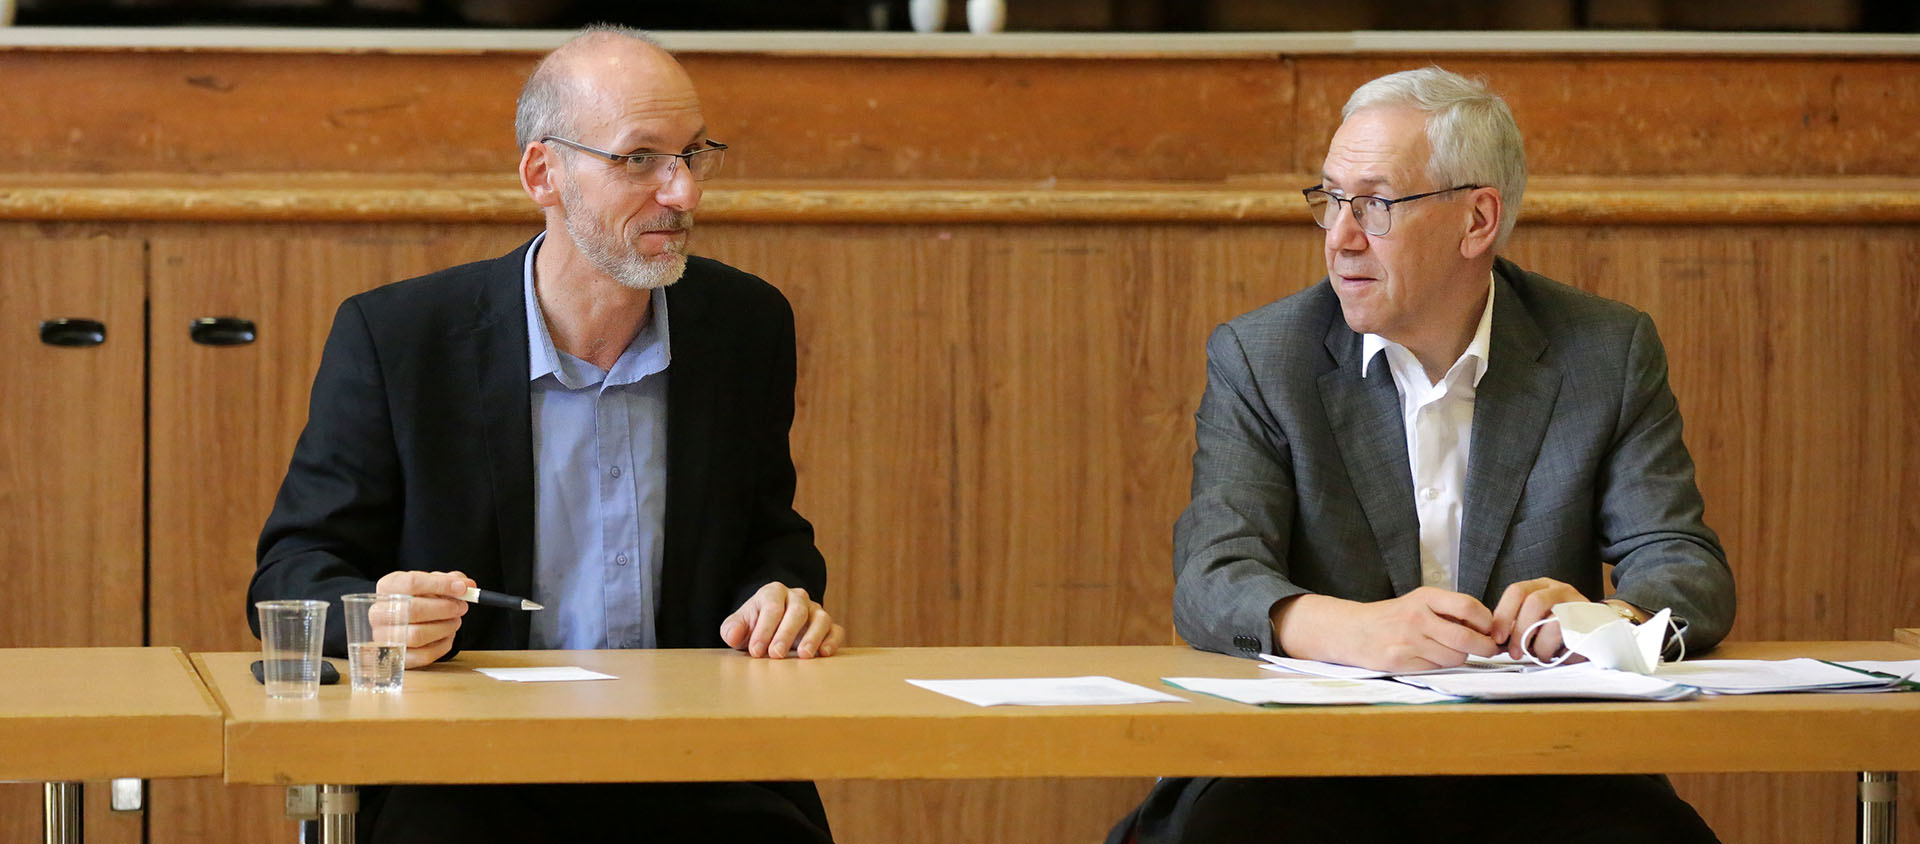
1512,407
1365,416
498,342
690,419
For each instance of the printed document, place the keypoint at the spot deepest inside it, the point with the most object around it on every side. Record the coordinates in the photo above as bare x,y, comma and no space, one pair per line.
1308,691
1047,691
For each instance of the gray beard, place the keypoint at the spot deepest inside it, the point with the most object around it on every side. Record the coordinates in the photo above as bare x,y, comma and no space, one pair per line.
623,262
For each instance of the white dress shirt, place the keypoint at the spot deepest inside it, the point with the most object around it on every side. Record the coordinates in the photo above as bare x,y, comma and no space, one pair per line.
1439,423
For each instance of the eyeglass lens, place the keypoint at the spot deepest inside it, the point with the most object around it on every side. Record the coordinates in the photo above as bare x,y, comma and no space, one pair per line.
659,168
1372,214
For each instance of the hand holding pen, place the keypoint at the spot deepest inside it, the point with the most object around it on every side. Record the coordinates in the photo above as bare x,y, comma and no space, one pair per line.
437,607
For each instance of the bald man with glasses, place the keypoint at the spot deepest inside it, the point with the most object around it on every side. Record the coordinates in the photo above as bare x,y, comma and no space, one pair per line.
597,421
1413,461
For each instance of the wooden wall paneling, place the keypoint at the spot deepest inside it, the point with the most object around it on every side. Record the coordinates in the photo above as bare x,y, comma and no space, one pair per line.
1682,116
874,421
997,118
72,472
985,118
224,422
827,117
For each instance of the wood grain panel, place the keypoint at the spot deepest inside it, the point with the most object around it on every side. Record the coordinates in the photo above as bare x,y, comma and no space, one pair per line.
1599,116
210,112
72,473
827,117
224,423
859,118
875,423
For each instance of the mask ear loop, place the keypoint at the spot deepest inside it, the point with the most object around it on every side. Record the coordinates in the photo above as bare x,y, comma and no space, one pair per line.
1526,644
1678,636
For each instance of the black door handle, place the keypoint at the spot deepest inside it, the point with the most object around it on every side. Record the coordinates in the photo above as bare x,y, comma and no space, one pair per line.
221,331
67,331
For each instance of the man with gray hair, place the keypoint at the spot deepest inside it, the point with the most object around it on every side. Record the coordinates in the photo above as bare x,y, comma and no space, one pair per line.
597,421
1414,461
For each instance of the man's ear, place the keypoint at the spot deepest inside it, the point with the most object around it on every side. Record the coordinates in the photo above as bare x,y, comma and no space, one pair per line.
540,175
1483,224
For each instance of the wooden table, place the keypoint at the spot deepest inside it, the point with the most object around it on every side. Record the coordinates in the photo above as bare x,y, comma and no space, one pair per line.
712,715
73,714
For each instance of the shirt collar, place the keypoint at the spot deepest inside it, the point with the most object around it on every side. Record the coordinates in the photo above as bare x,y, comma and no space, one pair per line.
1477,352
542,358
650,352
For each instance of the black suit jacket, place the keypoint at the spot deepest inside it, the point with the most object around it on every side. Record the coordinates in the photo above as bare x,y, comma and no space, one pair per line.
418,453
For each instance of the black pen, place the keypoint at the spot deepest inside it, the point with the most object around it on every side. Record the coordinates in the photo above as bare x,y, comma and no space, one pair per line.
495,599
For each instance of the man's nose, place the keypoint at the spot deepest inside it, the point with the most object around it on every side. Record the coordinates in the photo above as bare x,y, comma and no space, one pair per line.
1346,234
680,191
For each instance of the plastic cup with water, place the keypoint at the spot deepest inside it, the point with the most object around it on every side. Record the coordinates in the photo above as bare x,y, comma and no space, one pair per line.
377,641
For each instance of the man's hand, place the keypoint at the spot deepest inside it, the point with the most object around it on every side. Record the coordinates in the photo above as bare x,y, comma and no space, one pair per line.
1527,602
434,613
1424,629
777,618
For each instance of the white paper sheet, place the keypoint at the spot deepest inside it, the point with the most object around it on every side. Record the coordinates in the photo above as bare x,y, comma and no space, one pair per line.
1316,668
1308,691
1585,681
1760,676
1047,691
544,674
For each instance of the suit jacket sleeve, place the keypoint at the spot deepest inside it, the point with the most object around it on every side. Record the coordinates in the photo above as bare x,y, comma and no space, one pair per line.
780,547
336,520
1650,513
1230,545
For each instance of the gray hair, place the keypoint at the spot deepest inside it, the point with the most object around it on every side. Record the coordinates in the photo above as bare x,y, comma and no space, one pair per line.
544,100
1473,136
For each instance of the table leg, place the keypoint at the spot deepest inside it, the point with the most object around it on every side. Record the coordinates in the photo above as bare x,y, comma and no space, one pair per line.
62,809
1879,796
338,804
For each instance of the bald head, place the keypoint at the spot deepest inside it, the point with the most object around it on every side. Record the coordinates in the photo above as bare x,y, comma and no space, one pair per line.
604,67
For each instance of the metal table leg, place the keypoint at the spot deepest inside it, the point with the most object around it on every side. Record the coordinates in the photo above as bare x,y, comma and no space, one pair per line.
62,809
1879,797
338,804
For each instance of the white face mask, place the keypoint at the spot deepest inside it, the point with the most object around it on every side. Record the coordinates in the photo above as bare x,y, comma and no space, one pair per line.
1597,632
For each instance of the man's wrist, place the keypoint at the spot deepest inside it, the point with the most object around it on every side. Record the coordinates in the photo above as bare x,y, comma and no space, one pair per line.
1294,625
1628,611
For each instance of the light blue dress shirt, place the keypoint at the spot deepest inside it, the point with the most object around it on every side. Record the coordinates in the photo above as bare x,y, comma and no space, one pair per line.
599,486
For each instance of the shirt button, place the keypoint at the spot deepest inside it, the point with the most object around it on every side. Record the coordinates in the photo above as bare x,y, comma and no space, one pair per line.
620,560
1429,493
616,471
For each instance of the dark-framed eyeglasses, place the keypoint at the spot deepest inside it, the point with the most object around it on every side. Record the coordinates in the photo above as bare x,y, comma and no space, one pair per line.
657,168
1373,213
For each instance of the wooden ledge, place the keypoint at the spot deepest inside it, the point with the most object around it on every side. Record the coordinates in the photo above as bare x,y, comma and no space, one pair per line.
471,199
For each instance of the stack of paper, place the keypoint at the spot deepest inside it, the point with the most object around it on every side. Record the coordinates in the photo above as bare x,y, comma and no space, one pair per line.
1316,668
1759,676
1585,681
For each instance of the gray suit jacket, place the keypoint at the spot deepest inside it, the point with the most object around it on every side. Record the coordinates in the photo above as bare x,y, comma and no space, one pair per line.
1301,482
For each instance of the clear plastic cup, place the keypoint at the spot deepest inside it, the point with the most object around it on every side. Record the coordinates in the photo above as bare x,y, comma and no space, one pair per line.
290,637
377,641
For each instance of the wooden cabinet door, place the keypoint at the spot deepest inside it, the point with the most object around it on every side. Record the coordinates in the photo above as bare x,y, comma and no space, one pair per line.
224,421
72,471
